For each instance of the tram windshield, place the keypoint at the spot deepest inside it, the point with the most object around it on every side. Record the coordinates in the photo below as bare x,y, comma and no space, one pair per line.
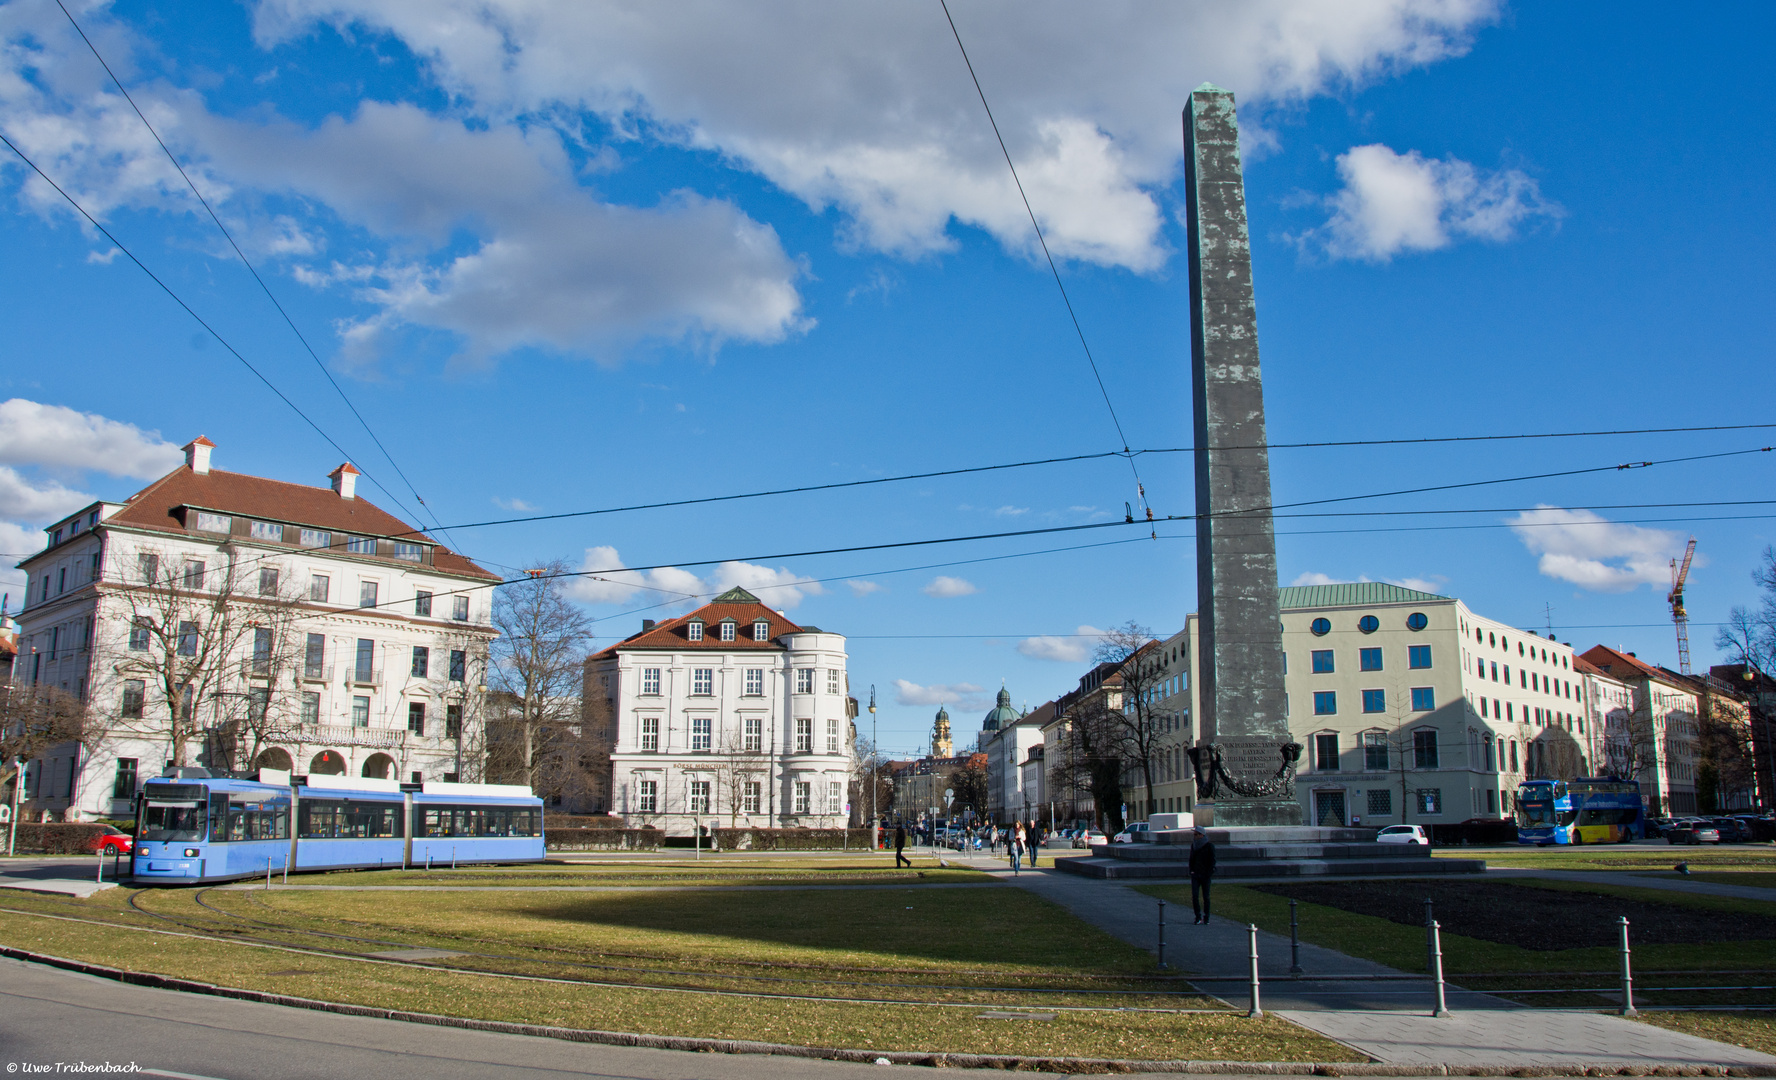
170,821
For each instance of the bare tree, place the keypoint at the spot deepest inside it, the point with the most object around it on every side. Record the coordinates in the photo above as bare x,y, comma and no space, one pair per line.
969,781
537,662
870,772
36,719
1092,759
1140,667
735,768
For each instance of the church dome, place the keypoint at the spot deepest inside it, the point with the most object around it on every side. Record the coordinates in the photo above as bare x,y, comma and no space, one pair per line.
1002,714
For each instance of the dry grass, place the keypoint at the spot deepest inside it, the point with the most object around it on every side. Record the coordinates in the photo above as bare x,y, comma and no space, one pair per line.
1752,1030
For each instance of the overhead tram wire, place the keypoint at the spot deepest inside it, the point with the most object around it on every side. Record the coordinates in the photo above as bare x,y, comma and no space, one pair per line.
252,270
1140,488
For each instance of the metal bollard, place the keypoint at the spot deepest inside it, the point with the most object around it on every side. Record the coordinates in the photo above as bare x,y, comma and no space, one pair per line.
1162,935
1294,942
268,873
1429,948
1442,1008
1628,1008
1252,932
101,854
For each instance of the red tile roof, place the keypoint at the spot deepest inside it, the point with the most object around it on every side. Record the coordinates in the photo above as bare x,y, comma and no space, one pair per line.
1619,665
155,507
672,635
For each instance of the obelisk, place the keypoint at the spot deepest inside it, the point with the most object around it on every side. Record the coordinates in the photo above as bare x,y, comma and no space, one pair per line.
1244,757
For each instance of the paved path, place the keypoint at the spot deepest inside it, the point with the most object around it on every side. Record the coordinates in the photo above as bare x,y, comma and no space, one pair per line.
1644,881
70,876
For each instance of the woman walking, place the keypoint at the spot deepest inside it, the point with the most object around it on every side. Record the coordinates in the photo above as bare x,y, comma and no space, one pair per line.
1014,846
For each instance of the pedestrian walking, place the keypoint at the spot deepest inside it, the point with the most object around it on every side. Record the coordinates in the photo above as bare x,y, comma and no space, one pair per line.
1202,872
1035,837
993,839
900,846
1014,845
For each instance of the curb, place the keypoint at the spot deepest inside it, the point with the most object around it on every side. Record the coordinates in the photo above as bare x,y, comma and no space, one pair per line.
895,1057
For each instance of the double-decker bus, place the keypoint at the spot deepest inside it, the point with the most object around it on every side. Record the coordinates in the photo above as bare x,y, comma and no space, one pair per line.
1587,810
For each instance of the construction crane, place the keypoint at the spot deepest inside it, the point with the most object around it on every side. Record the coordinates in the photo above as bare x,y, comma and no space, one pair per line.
1678,614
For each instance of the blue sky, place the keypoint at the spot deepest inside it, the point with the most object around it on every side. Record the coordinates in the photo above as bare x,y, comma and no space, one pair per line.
587,255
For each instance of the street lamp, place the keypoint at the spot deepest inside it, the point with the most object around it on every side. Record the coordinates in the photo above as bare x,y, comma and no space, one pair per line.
874,767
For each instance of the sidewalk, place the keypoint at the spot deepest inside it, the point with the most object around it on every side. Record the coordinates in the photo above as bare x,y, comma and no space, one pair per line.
67,875
1388,1020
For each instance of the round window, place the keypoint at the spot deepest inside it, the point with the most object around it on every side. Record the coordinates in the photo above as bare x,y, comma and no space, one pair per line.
1369,624
1417,621
1321,627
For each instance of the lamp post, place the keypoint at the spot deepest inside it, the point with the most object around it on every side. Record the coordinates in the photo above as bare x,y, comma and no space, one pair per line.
875,780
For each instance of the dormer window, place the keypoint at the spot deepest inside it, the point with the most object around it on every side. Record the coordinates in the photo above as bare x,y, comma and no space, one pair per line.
761,630
728,629
694,630
216,523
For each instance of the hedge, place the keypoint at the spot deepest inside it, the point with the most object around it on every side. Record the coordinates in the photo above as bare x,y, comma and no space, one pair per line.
792,839
586,839
58,838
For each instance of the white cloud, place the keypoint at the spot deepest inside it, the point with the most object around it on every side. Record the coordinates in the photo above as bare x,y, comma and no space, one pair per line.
868,108
1071,650
776,588
1393,203
863,588
23,501
965,695
1314,577
1592,552
944,587
57,437
615,585
517,506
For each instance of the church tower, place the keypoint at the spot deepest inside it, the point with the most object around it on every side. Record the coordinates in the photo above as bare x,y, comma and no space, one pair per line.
940,735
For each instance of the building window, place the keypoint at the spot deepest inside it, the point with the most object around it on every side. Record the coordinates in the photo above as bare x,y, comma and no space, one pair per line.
187,639
805,680
1491,804
761,630
754,737
1326,703
1374,701
266,530
365,667
647,796
134,691
453,721
835,797
1326,753
700,732
318,587
1375,751
1320,627
138,636
1417,621
1430,800
755,682
832,736
1424,749
360,711
311,707
268,581
313,655
459,665
459,608
316,538
124,786
366,594
750,797
650,681
832,680
1368,624
699,796
148,568
803,792
422,603
407,552
1369,659
1418,656
1381,802
360,545
422,661
1322,661
262,643
216,523
702,681
804,736
650,733
416,717
729,630
1424,698
194,574
694,630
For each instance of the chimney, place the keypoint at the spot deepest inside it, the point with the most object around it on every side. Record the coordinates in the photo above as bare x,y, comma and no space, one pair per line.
345,481
646,625
197,455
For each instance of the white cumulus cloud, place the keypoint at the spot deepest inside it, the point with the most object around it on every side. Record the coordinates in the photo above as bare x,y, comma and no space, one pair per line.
1394,203
963,695
943,586
778,588
1066,649
862,588
1592,552
57,437
608,581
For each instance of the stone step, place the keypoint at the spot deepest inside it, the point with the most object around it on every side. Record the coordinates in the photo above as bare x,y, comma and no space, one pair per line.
1268,834
1095,867
1241,852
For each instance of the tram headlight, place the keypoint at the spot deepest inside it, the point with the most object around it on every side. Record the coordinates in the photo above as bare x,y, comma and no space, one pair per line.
191,853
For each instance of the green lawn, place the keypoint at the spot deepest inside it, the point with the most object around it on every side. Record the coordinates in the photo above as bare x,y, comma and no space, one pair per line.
1628,857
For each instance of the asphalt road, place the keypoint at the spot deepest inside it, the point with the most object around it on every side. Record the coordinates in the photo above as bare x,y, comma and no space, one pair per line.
49,1016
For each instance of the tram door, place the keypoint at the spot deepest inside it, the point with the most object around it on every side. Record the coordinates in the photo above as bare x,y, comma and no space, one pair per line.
1329,809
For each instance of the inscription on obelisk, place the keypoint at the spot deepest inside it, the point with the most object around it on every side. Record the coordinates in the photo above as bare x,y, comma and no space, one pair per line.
1244,758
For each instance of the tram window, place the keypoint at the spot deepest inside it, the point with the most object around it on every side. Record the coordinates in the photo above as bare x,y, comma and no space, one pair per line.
164,823
348,819
469,821
251,821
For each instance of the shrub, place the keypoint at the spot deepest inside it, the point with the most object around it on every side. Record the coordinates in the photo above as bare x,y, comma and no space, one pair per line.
58,838
792,839
579,838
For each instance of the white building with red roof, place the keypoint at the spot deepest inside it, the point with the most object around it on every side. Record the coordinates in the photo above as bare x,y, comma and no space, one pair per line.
730,715
220,620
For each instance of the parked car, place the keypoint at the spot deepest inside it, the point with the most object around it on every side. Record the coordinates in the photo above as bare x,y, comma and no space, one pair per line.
1085,838
1403,834
1732,830
1762,828
1692,831
113,841
1135,833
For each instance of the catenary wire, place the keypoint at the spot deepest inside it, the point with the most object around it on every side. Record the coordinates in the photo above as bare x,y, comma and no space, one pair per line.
291,323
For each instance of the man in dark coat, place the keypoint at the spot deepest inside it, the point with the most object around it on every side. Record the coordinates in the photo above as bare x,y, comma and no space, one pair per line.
900,846
1202,871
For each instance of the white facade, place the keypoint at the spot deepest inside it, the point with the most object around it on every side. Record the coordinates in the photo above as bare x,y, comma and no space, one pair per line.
361,680
1174,785
1651,727
747,725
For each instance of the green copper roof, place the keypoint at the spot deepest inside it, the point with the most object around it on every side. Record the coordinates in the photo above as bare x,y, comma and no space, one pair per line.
1002,715
736,595
1350,593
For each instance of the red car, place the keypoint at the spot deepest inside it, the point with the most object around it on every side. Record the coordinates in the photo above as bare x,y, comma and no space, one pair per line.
112,841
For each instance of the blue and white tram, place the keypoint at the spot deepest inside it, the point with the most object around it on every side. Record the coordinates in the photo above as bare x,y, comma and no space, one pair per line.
207,829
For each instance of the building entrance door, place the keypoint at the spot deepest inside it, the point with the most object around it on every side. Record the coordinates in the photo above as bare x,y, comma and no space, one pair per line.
1329,809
